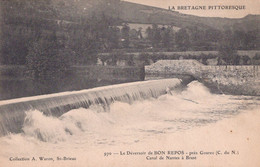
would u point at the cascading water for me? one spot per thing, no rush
(187, 119)
(12, 112)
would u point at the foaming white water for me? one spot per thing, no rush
(42, 127)
(197, 90)
(123, 124)
(12, 112)
(195, 106)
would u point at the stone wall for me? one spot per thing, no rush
(225, 79)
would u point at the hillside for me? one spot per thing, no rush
(95, 23)
(122, 11)
(132, 12)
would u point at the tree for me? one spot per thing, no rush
(245, 59)
(149, 33)
(45, 62)
(115, 56)
(227, 50)
(167, 37)
(90, 36)
(182, 39)
(256, 59)
(125, 35)
(212, 35)
(83, 46)
(156, 36)
(252, 40)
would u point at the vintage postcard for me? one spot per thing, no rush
(129, 83)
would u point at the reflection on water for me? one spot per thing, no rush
(80, 77)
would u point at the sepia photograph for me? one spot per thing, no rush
(129, 83)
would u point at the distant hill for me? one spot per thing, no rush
(137, 13)
(122, 11)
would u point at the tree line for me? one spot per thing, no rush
(48, 36)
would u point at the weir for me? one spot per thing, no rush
(13, 112)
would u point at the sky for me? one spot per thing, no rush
(251, 6)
